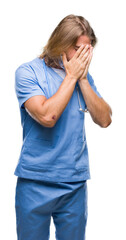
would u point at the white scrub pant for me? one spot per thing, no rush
(36, 201)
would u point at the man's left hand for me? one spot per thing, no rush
(88, 59)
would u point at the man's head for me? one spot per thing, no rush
(69, 34)
(83, 39)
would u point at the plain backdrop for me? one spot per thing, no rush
(25, 29)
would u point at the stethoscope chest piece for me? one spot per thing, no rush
(80, 108)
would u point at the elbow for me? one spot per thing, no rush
(52, 124)
(104, 123)
(108, 120)
(48, 121)
(107, 123)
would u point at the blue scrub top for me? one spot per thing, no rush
(60, 153)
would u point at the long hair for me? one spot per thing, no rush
(64, 36)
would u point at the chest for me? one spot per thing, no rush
(54, 78)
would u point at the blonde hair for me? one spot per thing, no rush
(64, 36)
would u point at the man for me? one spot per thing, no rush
(54, 93)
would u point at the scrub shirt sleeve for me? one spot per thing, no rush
(26, 84)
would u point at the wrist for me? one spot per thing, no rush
(72, 78)
(82, 80)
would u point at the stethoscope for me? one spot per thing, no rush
(80, 107)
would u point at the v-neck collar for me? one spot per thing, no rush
(61, 64)
(50, 69)
(57, 74)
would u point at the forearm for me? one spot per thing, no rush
(100, 111)
(55, 105)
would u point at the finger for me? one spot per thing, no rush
(86, 68)
(88, 60)
(90, 52)
(85, 50)
(85, 55)
(85, 71)
(90, 56)
(79, 51)
(87, 63)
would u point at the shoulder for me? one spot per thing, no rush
(30, 68)
(32, 65)
(25, 72)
